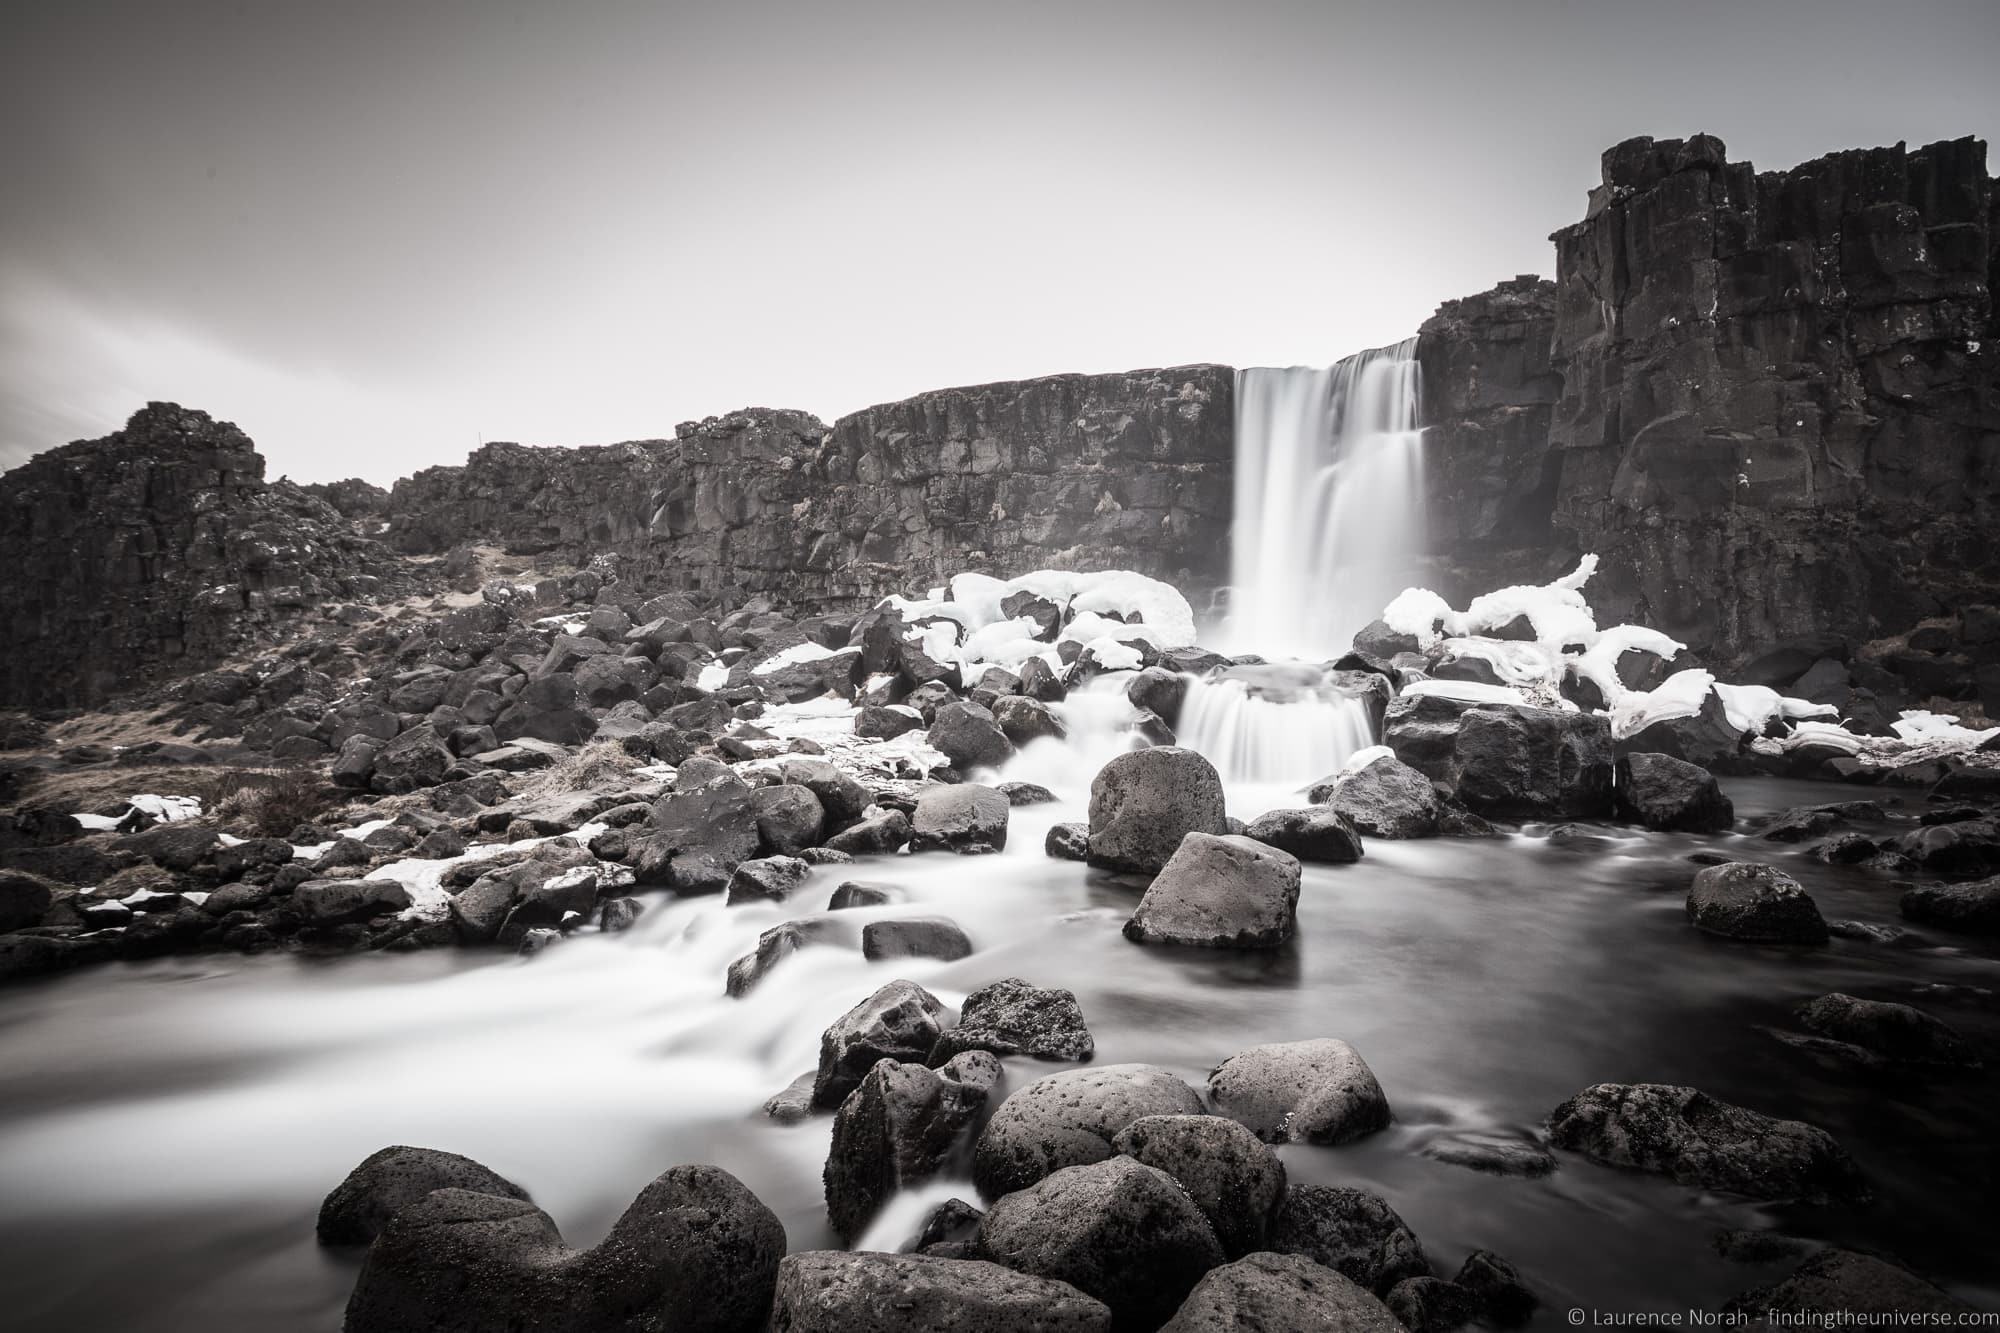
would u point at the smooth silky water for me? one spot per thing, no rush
(1329, 519)
(168, 1128)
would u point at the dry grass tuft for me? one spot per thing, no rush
(597, 765)
(270, 803)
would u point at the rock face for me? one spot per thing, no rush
(897, 1022)
(1383, 799)
(1143, 803)
(1317, 1091)
(1665, 793)
(1695, 1139)
(1220, 893)
(1489, 391)
(1279, 1291)
(1121, 471)
(831, 1291)
(1071, 1119)
(156, 550)
(1011, 1017)
(1746, 901)
(1845, 1284)
(1117, 1230)
(696, 1251)
(1896, 1032)
(1353, 1232)
(393, 1178)
(1762, 398)
(1236, 1181)
(1505, 759)
(899, 1128)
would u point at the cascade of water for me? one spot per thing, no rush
(1272, 725)
(1328, 519)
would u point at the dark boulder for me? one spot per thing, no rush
(901, 1126)
(970, 737)
(1693, 1138)
(915, 937)
(696, 1252)
(1117, 1230)
(1142, 805)
(693, 841)
(1023, 720)
(965, 818)
(1279, 1292)
(1498, 1293)
(24, 898)
(1315, 833)
(388, 1180)
(1385, 798)
(854, 893)
(1430, 1305)
(773, 947)
(1069, 1119)
(873, 835)
(1353, 1232)
(1316, 1091)
(548, 709)
(1232, 1176)
(1068, 841)
(1668, 794)
(1220, 893)
(1973, 908)
(1897, 1032)
(766, 879)
(1011, 1017)
(832, 1291)
(1159, 691)
(897, 1022)
(1850, 1287)
(327, 902)
(789, 818)
(1743, 900)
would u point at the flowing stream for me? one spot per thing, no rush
(168, 1128)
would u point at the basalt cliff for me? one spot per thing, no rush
(1769, 401)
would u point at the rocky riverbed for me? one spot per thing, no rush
(172, 1125)
(634, 960)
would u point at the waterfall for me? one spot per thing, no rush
(1328, 520)
(1273, 724)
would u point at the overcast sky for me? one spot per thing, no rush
(375, 232)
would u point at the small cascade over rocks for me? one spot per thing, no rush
(1329, 506)
(1283, 723)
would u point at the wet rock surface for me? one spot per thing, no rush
(1144, 803)
(1071, 1118)
(1220, 893)
(1012, 1017)
(831, 1291)
(1691, 1137)
(1117, 1230)
(1318, 1091)
(1274, 1291)
(696, 1250)
(1743, 900)
(1352, 1231)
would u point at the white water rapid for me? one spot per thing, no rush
(1329, 510)
(1273, 725)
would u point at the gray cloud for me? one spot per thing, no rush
(375, 233)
